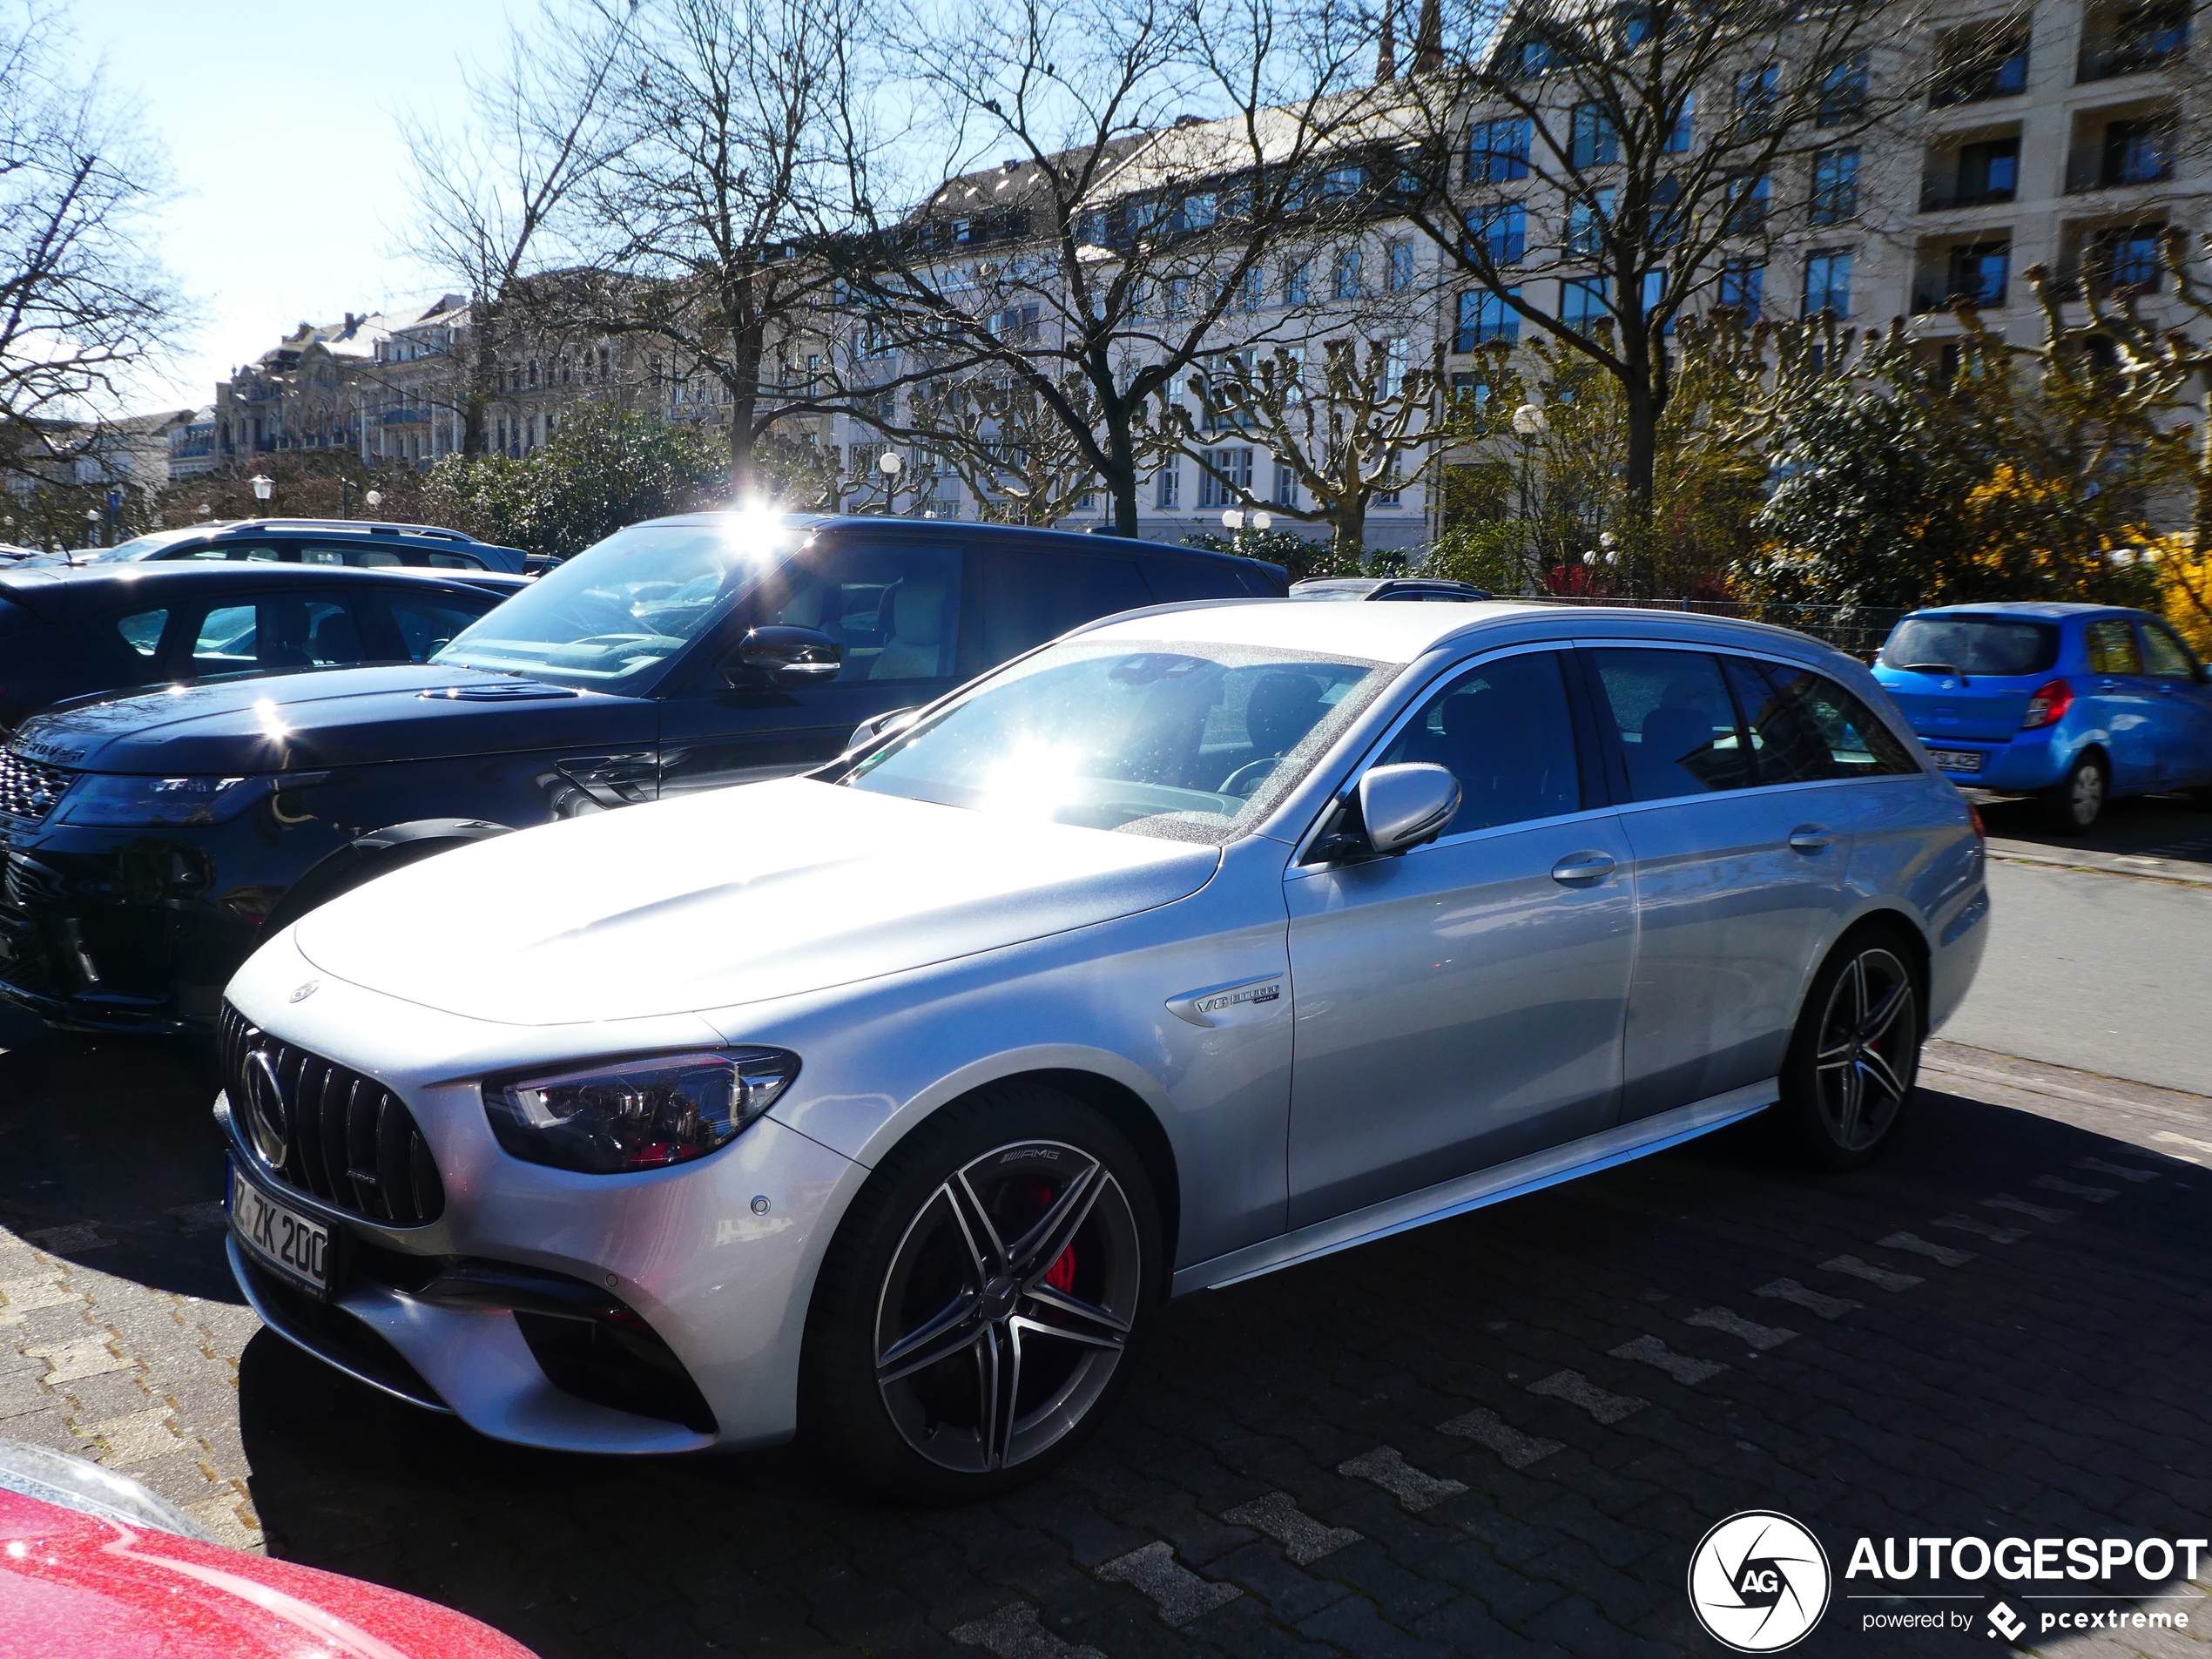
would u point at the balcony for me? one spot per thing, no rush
(1977, 273)
(2137, 151)
(2129, 40)
(1974, 66)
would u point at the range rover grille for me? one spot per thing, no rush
(29, 788)
(340, 1135)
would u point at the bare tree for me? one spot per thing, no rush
(1119, 233)
(1365, 428)
(1595, 169)
(726, 170)
(495, 198)
(1020, 462)
(84, 300)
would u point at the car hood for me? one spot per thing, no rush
(255, 723)
(733, 896)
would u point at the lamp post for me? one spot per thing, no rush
(92, 526)
(206, 511)
(1236, 520)
(263, 485)
(889, 463)
(374, 498)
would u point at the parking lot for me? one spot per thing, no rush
(1498, 1435)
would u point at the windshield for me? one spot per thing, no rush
(1993, 645)
(608, 618)
(1186, 742)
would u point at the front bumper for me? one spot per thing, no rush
(107, 930)
(721, 1289)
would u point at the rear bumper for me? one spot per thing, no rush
(2023, 765)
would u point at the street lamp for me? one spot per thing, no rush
(374, 498)
(262, 485)
(889, 463)
(91, 527)
(1528, 420)
(1236, 520)
(206, 511)
(1528, 423)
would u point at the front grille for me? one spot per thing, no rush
(348, 1140)
(29, 788)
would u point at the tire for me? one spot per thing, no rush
(1856, 1053)
(947, 1366)
(2079, 798)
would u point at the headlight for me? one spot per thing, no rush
(106, 800)
(642, 1114)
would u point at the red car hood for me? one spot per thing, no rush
(73, 1584)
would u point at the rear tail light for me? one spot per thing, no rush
(2048, 706)
(1981, 830)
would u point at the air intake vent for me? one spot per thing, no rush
(498, 691)
(331, 1132)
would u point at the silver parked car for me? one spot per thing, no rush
(886, 1103)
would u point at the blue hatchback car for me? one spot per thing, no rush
(2074, 703)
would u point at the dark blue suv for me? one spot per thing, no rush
(152, 840)
(2074, 703)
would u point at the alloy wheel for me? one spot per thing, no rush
(1008, 1306)
(1868, 1049)
(2086, 793)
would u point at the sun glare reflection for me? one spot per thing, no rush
(1035, 779)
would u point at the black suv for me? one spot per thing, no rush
(152, 840)
(105, 628)
(309, 541)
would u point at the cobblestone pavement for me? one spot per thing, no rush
(1500, 1435)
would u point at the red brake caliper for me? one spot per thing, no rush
(1062, 1274)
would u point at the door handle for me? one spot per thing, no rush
(1811, 838)
(1578, 868)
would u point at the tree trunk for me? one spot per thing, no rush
(745, 398)
(1121, 474)
(1349, 521)
(1640, 475)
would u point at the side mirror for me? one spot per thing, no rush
(882, 726)
(781, 655)
(1399, 808)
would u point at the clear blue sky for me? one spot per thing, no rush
(280, 120)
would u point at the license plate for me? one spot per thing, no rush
(1956, 759)
(287, 1240)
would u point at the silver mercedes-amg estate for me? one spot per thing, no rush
(886, 1103)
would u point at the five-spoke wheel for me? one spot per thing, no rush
(981, 1300)
(1856, 1050)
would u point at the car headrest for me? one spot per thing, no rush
(1283, 708)
(917, 611)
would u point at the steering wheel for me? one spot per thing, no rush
(1249, 776)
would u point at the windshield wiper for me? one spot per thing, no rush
(1931, 668)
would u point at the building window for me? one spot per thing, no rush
(1828, 283)
(1339, 182)
(1497, 152)
(1678, 136)
(1593, 141)
(2137, 152)
(1227, 477)
(1581, 303)
(1757, 91)
(1588, 218)
(1166, 487)
(2128, 257)
(1979, 63)
(2127, 37)
(1978, 273)
(1285, 493)
(1747, 204)
(1842, 93)
(1344, 281)
(1485, 319)
(1398, 357)
(1503, 233)
(1835, 185)
(1400, 256)
(1742, 283)
(1254, 293)
(1295, 283)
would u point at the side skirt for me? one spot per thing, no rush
(1621, 1144)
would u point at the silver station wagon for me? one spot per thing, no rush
(886, 1103)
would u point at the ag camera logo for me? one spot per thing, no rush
(1758, 1581)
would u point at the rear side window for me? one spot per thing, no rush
(1805, 728)
(454, 562)
(1997, 646)
(141, 631)
(357, 554)
(1028, 598)
(2112, 647)
(1675, 721)
(1503, 730)
(426, 625)
(2165, 656)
